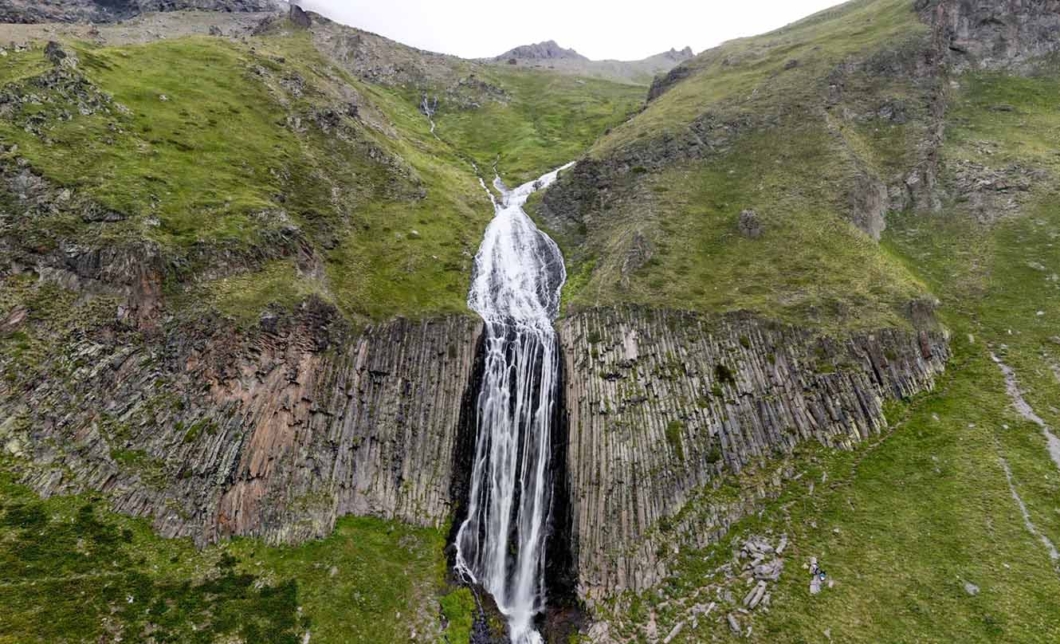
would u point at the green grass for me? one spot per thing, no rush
(551, 119)
(72, 571)
(199, 162)
(900, 524)
(278, 283)
(232, 170)
(778, 146)
(459, 610)
(749, 75)
(810, 264)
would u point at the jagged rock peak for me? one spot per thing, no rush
(34, 11)
(679, 55)
(547, 50)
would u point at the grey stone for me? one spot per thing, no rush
(750, 224)
(299, 17)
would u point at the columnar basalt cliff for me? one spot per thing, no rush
(662, 404)
(211, 433)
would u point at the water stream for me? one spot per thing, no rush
(516, 289)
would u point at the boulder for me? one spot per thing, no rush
(750, 224)
(299, 17)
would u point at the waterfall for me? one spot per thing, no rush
(516, 289)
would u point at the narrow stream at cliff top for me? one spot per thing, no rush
(516, 288)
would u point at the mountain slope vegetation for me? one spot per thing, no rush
(229, 221)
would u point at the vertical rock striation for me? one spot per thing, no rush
(661, 404)
(274, 433)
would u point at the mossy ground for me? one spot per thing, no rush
(72, 571)
(223, 158)
(227, 156)
(549, 120)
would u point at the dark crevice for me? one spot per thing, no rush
(464, 450)
(564, 615)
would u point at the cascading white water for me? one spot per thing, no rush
(516, 288)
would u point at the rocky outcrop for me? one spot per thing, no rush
(276, 432)
(35, 11)
(663, 404)
(996, 34)
(547, 50)
(662, 84)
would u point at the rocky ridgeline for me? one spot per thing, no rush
(277, 432)
(547, 50)
(663, 404)
(36, 11)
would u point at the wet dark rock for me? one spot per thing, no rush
(662, 84)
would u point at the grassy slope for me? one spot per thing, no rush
(551, 118)
(74, 572)
(215, 166)
(903, 523)
(206, 156)
(811, 265)
(750, 73)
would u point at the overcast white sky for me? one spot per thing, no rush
(598, 29)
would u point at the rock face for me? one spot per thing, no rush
(661, 404)
(997, 34)
(299, 17)
(274, 433)
(547, 50)
(34, 11)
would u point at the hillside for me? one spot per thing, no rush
(548, 55)
(812, 278)
(854, 169)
